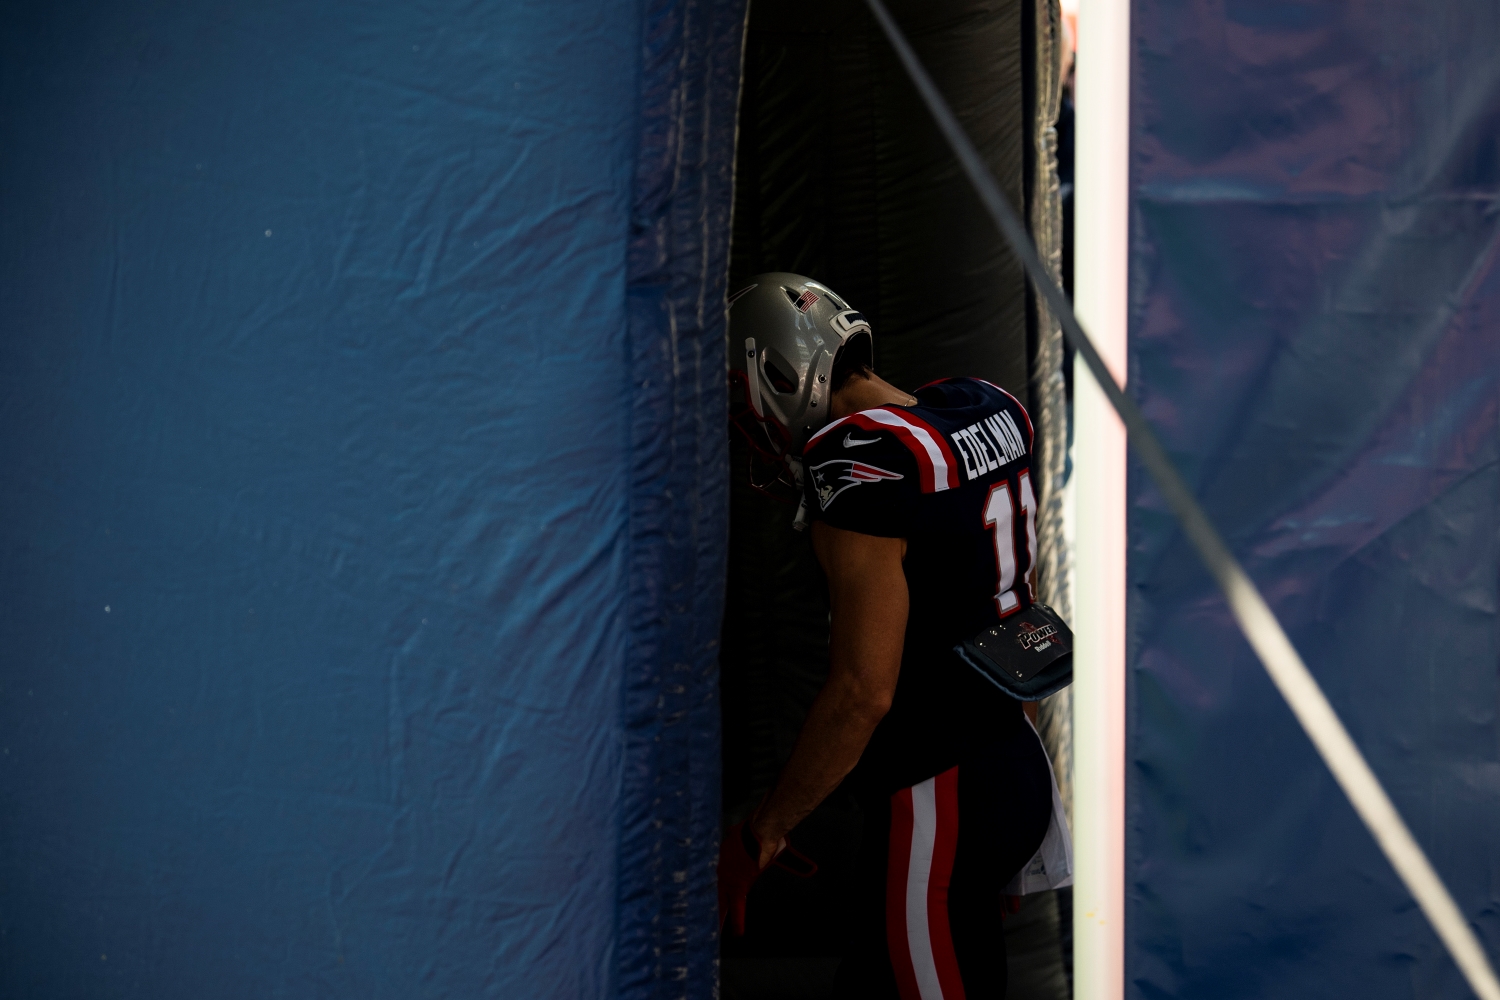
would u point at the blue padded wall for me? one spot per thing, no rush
(363, 513)
(1315, 329)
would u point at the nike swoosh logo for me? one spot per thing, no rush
(853, 442)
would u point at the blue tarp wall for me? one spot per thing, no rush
(362, 507)
(1315, 328)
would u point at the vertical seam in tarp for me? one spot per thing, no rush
(666, 922)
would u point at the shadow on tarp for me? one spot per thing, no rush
(1314, 305)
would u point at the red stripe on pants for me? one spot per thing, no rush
(944, 847)
(895, 895)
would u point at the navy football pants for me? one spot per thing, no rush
(934, 861)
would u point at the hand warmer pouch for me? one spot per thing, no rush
(1027, 656)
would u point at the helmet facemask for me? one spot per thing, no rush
(770, 445)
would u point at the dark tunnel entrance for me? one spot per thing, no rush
(842, 176)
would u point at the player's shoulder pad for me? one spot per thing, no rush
(1005, 401)
(894, 435)
(977, 391)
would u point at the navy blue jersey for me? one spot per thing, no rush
(952, 476)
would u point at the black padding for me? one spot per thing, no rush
(841, 175)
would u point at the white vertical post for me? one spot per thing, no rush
(1101, 259)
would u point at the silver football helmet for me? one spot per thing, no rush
(785, 333)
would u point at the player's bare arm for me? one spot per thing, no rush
(868, 604)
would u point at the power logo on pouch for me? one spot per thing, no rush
(1038, 636)
(832, 478)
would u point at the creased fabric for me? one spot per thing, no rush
(1315, 300)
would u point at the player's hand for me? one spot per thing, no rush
(770, 846)
(742, 858)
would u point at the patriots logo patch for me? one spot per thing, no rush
(832, 478)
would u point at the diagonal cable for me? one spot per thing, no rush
(1259, 624)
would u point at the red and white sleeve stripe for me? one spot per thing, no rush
(935, 462)
(924, 839)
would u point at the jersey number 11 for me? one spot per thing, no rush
(999, 517)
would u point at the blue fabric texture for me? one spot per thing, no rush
(1314, 314)
(363, 510)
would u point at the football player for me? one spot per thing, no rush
(923, 515)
